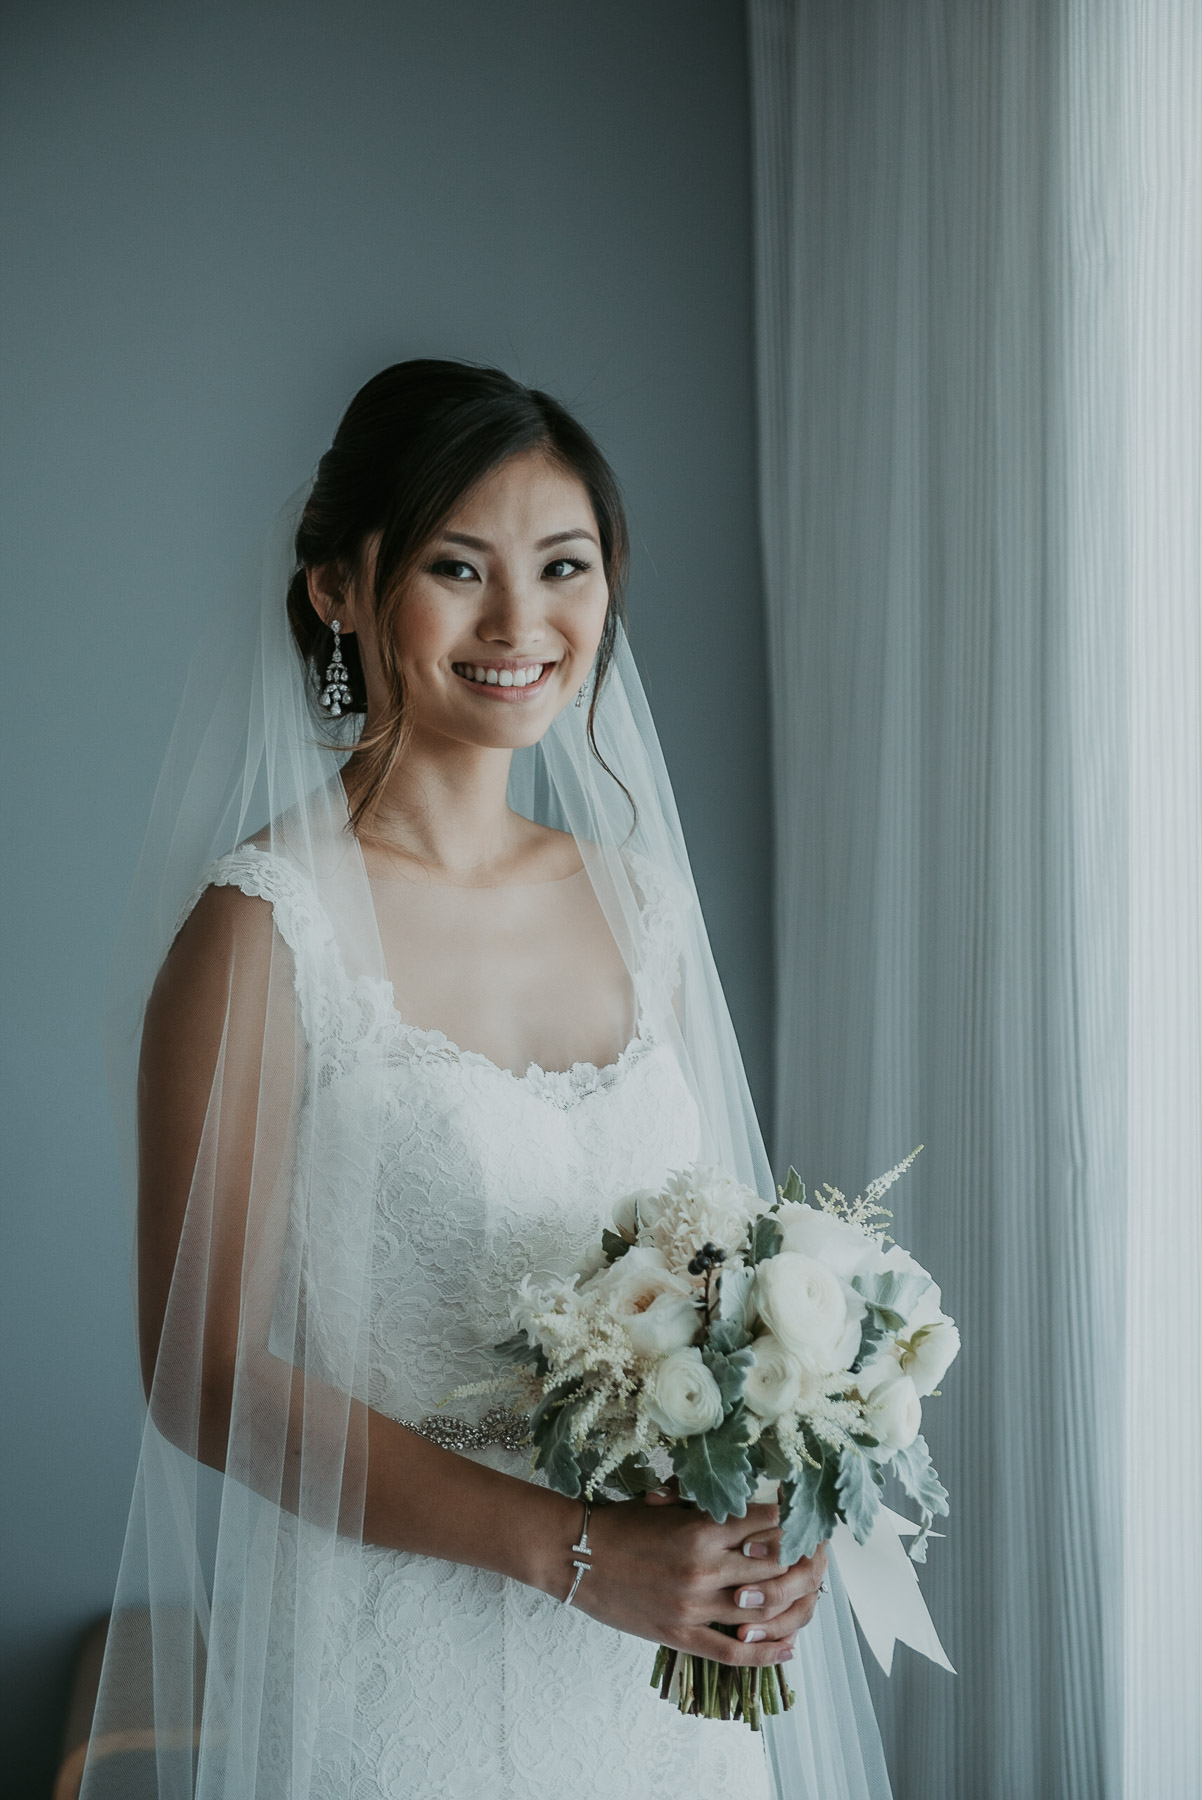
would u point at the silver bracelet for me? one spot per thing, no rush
(582, 1562)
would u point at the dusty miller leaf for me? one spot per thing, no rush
(714, 1468)
(916, 1472)
(729, 1371)
(858, 1486)
(551, 1429)
(725, 1335)
(808, 1510)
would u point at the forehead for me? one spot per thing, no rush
(525, 495)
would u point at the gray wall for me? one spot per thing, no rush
(218, 220)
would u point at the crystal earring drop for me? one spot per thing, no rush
(336, 694)
(581, 691)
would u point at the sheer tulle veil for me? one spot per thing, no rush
(281, 1194)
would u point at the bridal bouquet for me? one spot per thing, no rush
(751, 1346)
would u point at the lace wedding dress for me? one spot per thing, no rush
(466, 1684)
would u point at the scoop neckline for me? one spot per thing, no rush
(429, 1037)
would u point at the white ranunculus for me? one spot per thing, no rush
(682, 1397)
(893, 1410)
(842, 1247)
(657, 1307)
(778, 1382)
(805, 1307)
(927, 1353)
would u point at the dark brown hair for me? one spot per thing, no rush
(410, 445)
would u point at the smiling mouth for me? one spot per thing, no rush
(504, 681)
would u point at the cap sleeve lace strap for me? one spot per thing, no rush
(322, 987)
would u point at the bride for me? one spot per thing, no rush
(397, 1046)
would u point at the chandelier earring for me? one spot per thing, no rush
(336, 694)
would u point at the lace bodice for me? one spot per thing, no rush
(483, 1176)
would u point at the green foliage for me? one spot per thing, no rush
(726, 1335)
(858, 1485)
(551, 1431)
(614, 1245)
(872, 1336)
(793, 1187)
(714, 1470)
(768, 1459)
(519, 1349)
(632, 1477)
(892, 1295)
(808, 1509)
(916, 1472)
(765, 1238)
(729, 1371)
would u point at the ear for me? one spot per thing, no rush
(330, 598)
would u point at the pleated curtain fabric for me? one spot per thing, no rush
(979, 324)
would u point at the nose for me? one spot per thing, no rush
(514, 610)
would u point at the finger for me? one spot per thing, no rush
(785, 1626)
(760, 1600)
(721, 1648)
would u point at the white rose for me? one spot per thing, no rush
(926, 1354)
(804, 1306)
(658, 1308)
(892, 1408)
(682, 1397)
(778, 1382)
(926, 1311)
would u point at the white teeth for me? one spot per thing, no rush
(502, 677)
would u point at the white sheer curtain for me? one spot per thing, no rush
(979, 290)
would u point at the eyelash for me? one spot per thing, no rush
(454, 562)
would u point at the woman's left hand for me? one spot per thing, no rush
(778, 1608)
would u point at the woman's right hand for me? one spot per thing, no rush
(667, 1572)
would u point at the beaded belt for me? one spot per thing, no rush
(501, 1425)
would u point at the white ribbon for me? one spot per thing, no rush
(882, 1585)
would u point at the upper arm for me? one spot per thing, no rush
(209, 1126)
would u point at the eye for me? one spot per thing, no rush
(448, 565)
(570, 563)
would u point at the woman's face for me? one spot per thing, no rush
(500, 623)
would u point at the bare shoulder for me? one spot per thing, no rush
(546, 854)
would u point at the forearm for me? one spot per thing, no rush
(422, 1498)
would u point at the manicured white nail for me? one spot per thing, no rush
(751, 1597)
(753, 1635)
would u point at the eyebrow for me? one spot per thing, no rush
(556, 537)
